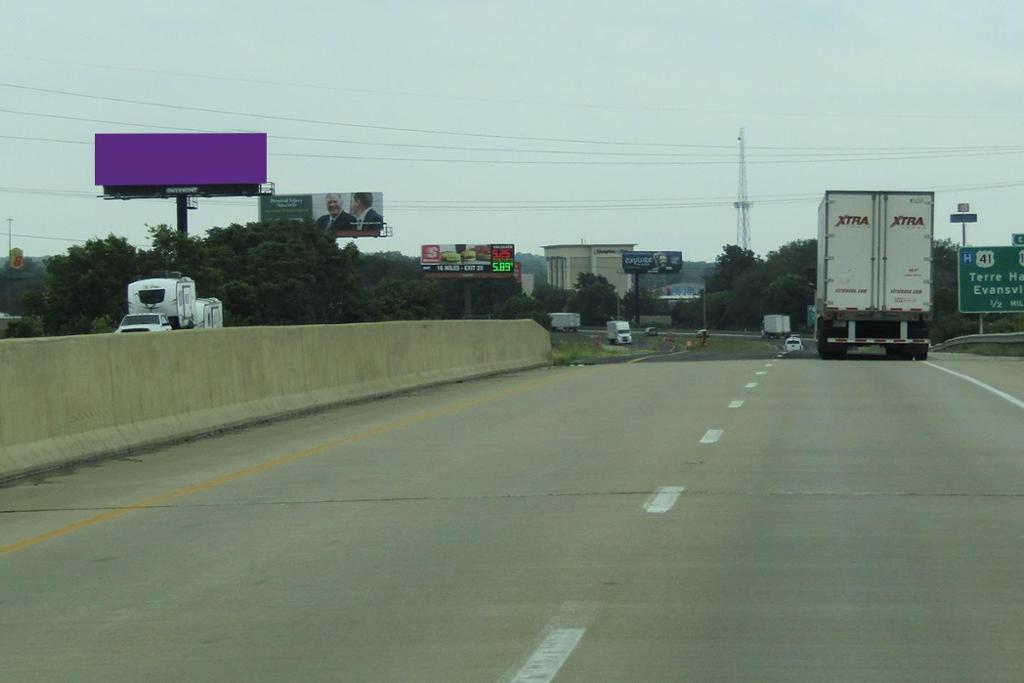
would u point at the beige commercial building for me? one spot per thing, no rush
(567, 261)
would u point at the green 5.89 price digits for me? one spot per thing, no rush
(501, 267)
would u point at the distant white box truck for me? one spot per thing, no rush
(775, 326)
(175, 297)
(619, 332)
(874, 283)
(565, 321)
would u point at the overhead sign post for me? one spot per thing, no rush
(991, 279)
(963, 218)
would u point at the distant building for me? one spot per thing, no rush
(567, 261)
(680, 291)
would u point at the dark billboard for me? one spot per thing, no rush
(187, 159)
(652, 261)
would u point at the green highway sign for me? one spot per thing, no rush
(1018, 239)
(991, 279)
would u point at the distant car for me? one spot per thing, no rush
(794, 343)
(651, 331)
(144, 322)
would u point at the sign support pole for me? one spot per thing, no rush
(10, 261)
(467, 298)
(182, 201)
(636, 298)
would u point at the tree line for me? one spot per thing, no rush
(295, 273)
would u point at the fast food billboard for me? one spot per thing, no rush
(188, 159)
(468, 260)
(345, 214)
(652, 261)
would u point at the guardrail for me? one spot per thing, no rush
(998, 338)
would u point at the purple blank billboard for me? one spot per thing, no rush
(181, 158)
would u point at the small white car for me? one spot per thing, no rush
(794, 343)
(144, 322)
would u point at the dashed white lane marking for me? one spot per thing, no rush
(769, 365)
(750, 385)
(561, 636)
(761, 372)
(712, 436)
(663, 499)
(550, 655)
(735, 404)
(1001, 394)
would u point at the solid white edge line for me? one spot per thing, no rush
(550, 655)
(712, 436)
(735, 404)
(1001, 394)
(663, 499)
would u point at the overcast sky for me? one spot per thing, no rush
(541, 122)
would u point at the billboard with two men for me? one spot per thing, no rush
(343, 214)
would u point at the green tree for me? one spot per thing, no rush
(556, 300)
(26, 326)
(16, 284)
(286, 274)
(388, 265)
(733, 262)
(596, 299)
(408, 299)
(526, 307)
(88, 282)
(650, 304)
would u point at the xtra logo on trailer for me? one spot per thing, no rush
(852, 220)
(907, 221)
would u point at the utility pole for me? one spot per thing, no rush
(704, 301)
(10, 265)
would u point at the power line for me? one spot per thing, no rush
(794, 151)
(504, 101)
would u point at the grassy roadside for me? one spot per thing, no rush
(565, 353)
(569, 348)
(1005, 350)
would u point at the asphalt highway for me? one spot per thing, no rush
(769, 519)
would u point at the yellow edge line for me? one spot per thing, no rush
(273, 463)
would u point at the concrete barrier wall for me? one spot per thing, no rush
(67, 399)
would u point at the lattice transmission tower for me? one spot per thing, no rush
(742, 202)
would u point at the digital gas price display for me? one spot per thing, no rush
(493, 261)
(503, 258)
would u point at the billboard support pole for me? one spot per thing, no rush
(467, 299)
(182, 201)
(636, 298)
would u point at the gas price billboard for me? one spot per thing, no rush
(652, 261)
(468, 260)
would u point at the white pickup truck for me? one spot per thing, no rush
(144, 322)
